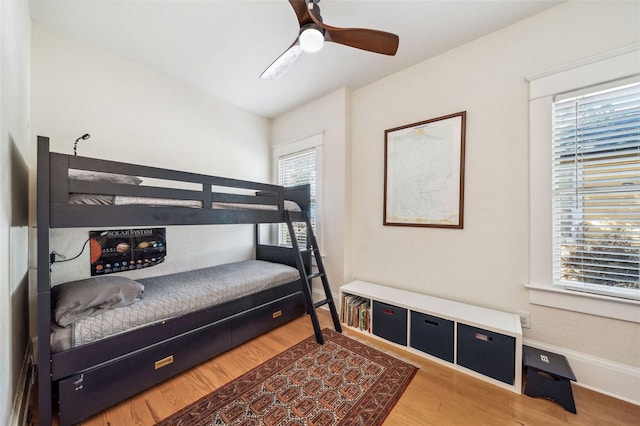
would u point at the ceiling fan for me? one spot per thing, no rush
(313, 33)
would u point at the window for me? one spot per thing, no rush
(596, 190)
(298, 168)
(601, 181)
(299, 163)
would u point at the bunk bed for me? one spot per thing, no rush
(85, 379)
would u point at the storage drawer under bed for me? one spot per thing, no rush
(96, 389)
(262, 319)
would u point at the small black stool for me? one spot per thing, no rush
(548, 375)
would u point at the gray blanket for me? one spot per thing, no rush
(178, 294)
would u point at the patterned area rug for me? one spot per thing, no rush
(341, 382)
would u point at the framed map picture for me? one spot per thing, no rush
(424, 173)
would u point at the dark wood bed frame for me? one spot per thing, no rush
(90, 378)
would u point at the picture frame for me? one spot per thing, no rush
(424, 173)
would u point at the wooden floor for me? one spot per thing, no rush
(438, 395)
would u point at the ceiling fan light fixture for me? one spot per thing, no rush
(311, 39)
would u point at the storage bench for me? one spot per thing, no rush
(481, 342)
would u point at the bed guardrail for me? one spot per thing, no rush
(94, 192)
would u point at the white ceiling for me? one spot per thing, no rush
(221, 47)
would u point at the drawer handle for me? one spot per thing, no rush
(78, 383)
(483, 337)
(387, 311)
(433, 323)
(164, 362)
(276, 314)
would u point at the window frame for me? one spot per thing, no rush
(314, 142)
(542, 89)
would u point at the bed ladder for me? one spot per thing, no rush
(306, 277)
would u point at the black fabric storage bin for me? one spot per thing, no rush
(390, 322)
(432, 335)
(486, 352)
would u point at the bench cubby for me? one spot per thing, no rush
(482, 342)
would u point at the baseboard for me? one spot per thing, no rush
(610, 378)
(23, 390)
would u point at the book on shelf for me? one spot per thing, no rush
(355, 312)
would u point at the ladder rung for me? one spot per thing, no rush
(307, 250)
(316, 275)
(322, 303)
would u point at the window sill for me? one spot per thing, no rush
(593, 304)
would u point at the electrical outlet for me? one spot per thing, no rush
(525, 319)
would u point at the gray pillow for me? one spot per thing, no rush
(77, 300)
(104, 177)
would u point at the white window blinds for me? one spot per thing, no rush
(596, 190)
(298, 169)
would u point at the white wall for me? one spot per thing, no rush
(486, 263)
(139, 116)
(328, 115)
(14, 175)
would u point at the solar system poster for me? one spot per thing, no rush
(126, 249)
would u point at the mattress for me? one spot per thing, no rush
(174, 295)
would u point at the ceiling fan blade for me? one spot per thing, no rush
(302, 11)
(282, 64)
(360, 38)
